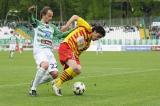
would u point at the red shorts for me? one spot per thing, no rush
(65, 53)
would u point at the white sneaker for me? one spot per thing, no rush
(57, 90)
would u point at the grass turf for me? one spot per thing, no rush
(111, 79)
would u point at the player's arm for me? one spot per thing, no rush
(63, 33)
(34, 21)
(59, 34)
(66, 33)
(72, 19)
(80, 22)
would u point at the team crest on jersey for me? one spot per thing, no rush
(47, 34)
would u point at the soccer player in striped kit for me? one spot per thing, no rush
(73, 45)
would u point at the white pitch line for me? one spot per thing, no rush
(124, 73)
(12, 85)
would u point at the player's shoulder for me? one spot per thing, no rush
(83, 23)
(52, 25)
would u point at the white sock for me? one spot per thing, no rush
(46, 78)
(40, 73)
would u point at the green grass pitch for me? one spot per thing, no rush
(111, 79)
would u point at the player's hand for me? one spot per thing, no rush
(32, 8)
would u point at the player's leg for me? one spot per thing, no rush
(52, 69)
(55, 88)
(46, 78)
(14, 49)
(11, 51)
(71, 68)
(97, 50)
(20, 49)
(52, 72)
(43, 65)
(71, 64)
(69, 73)
(11, 54)
(39, 74)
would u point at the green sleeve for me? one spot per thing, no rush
(34, 21)
(64, 34)
(59, 34)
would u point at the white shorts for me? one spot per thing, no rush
(41, 55)
(12, 47)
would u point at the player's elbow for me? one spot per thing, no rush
(75, 17)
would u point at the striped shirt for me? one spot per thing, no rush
(80, 38)
(45, 34)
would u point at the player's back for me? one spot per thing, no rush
(78, 40)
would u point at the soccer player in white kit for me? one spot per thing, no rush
(99, 46)
(12, 44)
(42, 49)
(20, 44)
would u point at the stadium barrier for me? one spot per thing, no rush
(155, 48)
(136, 48)
(127, 45)
(130, 42)
(27, 44)
(106, 44)
(126, 48)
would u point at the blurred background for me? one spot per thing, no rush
(127, 22)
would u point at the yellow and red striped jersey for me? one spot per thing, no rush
(80, 38)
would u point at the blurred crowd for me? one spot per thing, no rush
(155, 32)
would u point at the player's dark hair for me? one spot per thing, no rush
(99, 29)
(44, 11)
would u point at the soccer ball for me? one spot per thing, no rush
(78, 88)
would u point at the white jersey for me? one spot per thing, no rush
(12, 43)
(13, 40)
(43, 43)
(44, 35)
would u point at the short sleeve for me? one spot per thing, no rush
(83, 23)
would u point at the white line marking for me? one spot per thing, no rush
(122, 73)
(115, 74)
(13, 85)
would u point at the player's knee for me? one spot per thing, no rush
(44, 65)
(54, 74)
(77, 69)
